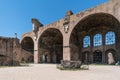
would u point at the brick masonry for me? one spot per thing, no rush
(110, 12)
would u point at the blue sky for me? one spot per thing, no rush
(15, 15)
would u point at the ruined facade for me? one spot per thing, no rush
(91, 36)
(9, 51)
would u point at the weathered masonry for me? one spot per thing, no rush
(9, 51)
(91, 36)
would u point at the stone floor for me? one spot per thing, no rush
(49, 72)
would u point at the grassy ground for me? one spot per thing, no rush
(21, 65)
(83, 67)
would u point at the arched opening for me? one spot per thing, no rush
(27, 46)
(86, 41)
(110, 38)
(2, 59)
(97, 40)
(51, 46)
(97, 57)
(85, 57)
(110, 56)
(94, 25)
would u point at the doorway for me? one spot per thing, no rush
(97, 57)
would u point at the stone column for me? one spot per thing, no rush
(104, 46)
(36, 52)
(66, 48)
(66, 62)
(66, 53)
(91, 48)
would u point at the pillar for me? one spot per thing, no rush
(91, 48)
(66, 48)
(67, 62)
(36, 52)
(103, 45)
(66, 53)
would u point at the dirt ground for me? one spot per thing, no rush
(50, 72)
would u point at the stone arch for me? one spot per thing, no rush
(85, 17)
(27, 49)
(50, 46)
(90, 25)
(29, 34)
(41, 31)
(106, 17)
(113, 55)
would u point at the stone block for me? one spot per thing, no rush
(70, 64)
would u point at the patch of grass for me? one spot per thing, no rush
(21, 65)
(24, 64)
(4, 66)
(83, 67)
(102, 65)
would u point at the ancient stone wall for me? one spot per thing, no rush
(9, 51)
(110, 12)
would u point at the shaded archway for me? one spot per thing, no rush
(110, 53)
(51, 46)
(91, 25)
(85, 57)
(27, 46)
(2, 59)
(97, 57)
